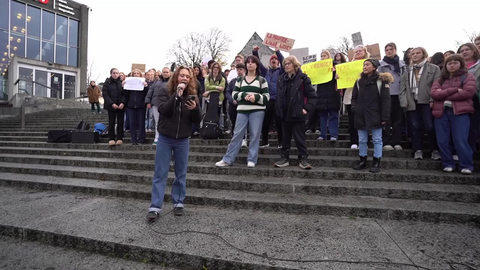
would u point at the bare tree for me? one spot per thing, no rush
(344, 45)
(91, 74)
(192, 48)
(470, 38)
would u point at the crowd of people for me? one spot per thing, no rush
(438, 96)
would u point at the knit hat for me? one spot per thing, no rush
(273, 56)
(374, 62)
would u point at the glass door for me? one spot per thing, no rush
(41, 77)
(56, 83)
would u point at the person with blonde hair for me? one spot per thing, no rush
(328, 104)
(136, 108)
(179, 111)
(295, 99)
(359, 53)
(415, 98)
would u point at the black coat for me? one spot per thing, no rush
(300, 94)
(113, 93)
(328, 98)
(175, 119)
(136, 99)
(371, 106)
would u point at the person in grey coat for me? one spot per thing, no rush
(152, 98)
(415, 98)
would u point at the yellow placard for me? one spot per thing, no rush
(348, 73)
(319, 72)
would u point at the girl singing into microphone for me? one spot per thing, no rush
(178, 110)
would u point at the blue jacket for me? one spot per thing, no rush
(230, 88)
(272, 75)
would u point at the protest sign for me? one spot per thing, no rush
(299, 53)
(134, 83)
(373, 49)
(276, 41)
(319, 72)
(310, 59)
(348, 73)
(141, 67)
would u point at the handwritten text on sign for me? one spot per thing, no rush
(134, 83)
(310, 59)
(276, 41)
(319, 72)
(348, 73)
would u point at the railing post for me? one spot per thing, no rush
(22, 116)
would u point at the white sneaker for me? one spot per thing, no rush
(387, 148)
(466, 171)
(250, 164)
(244, 143)
(222, 163)
(398, 147)
(354, 146)
(448, 169)
(455, 157)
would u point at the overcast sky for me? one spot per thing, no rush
(123, 32)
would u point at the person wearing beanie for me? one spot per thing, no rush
(371, 106)
(271, 74)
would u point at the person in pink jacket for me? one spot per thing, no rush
(452, 94)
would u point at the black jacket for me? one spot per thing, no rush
(371, 106)
(175, 119)
(136, 99)
(328, 98)
(293, 95)
(113, 93)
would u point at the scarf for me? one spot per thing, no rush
(394, 61)
(415, 78)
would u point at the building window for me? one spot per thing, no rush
(33, 48)
(4, 8)
(25, 86)
(47, 51)
(4, 45)
(56, 83)
(61, 54)
(73, 56)
(48, 26)
(17, 18)
(62, 29)
(33, 22)
(69, 87)
(41, 77)
(73, 33)
(17, 44)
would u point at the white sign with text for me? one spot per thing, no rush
(134, 83)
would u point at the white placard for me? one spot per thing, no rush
(134, 83)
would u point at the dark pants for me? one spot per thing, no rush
(127, 119)
(297, 129)
(137, 124)
(93, 106)
(474, 133)
(392, 134)
(270, 116)
(232, 112)
(421, 120)
(112, 116)
(312, 121)
(351, 125)
(451, 127)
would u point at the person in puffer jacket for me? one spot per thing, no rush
(137, 110)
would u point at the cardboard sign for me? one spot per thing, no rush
(141, 67)
(283, 43)
(310, 59)
(319, 72)
(348, 73)
(373, 49)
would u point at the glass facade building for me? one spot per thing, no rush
(50, 32)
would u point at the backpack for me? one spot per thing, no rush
(82, 126)
(99, 127)
(210, 127)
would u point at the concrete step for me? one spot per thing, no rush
(43, 256)
(467, 193)
(110, 159)
(218, 238)
(357, 206)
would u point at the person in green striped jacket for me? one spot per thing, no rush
(251, 93)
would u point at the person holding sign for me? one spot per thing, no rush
(295, 98)
(371, 106)
(328, 104)
(137, 108)
(360, 52)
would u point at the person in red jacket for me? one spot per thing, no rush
(451, 109)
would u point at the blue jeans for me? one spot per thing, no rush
(253, 121)
(137, 123)
(458, 127)
(149, 122)
(377, 142)
(421, 120)
(330, 116)
(165, 148)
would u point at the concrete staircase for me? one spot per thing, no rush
(95, 197)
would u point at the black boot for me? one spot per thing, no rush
(375, 166)
(362, 165)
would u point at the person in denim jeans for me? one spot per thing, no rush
(252, 94)
(371, 105)
(178, 113)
